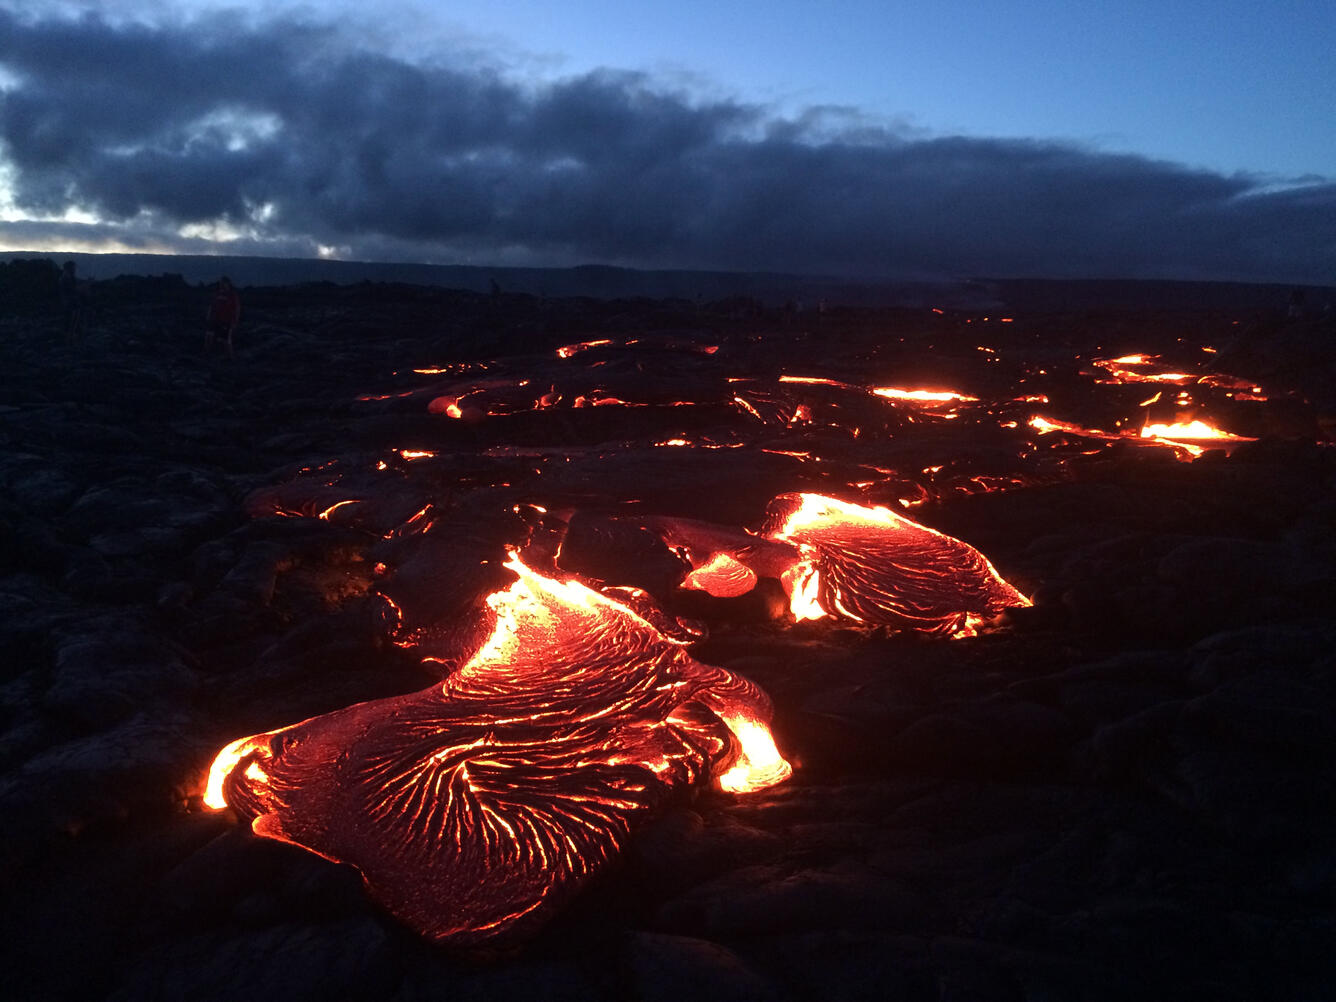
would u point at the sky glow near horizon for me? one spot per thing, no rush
(1144, 139)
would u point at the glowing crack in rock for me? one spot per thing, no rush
(875, 566)
(476, 808)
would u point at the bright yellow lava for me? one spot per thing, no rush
(923, 396)
(760, 764)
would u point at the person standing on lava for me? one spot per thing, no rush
(223, 315)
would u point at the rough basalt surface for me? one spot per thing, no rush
(1123, 791)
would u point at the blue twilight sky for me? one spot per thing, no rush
(1233, 85)
(1147, 139)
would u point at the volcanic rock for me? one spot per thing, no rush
(1120, 792)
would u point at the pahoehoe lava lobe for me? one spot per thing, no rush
(476, 808)
(875, 566)
(846, 561)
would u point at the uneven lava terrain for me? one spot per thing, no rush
(1120, 790)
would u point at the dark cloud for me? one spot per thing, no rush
(296, 134)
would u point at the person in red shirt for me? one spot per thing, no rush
(223, 315)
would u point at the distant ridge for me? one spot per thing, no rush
(595, 281)
(773, 289)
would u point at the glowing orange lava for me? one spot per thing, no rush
(1138, 369)
(722, 576)
(1191, 435)
(1044, 425)
(875, 566)
(475, 808)
(1186, 436)
(567, 350)
(928, 397)
(448, 406)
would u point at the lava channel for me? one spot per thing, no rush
(476, 808)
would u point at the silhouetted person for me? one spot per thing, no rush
(224, 314)
(1296, 309)
(71, 302)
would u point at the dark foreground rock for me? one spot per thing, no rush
(1122, 792)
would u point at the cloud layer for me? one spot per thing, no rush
(288, 135)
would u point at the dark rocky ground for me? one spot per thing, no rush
(1125, 791)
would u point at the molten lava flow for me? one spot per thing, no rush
(875, 566)
(1196, 431)
(817, 381)
(1138, 369)
(1244, 389)
(759, 763)
(448, 406)
(1185, 436)
(833, 558)
(227, 760)
(325, 515)
(802, 583)
(567, 350)
(476, 807)
(1045, 425)
(927, 397)
(722, 576)
(1191, 434)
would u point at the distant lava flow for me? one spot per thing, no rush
(1141, 369)
(833, 558)
(477, 807)
(875, 566)
(1190, 437)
